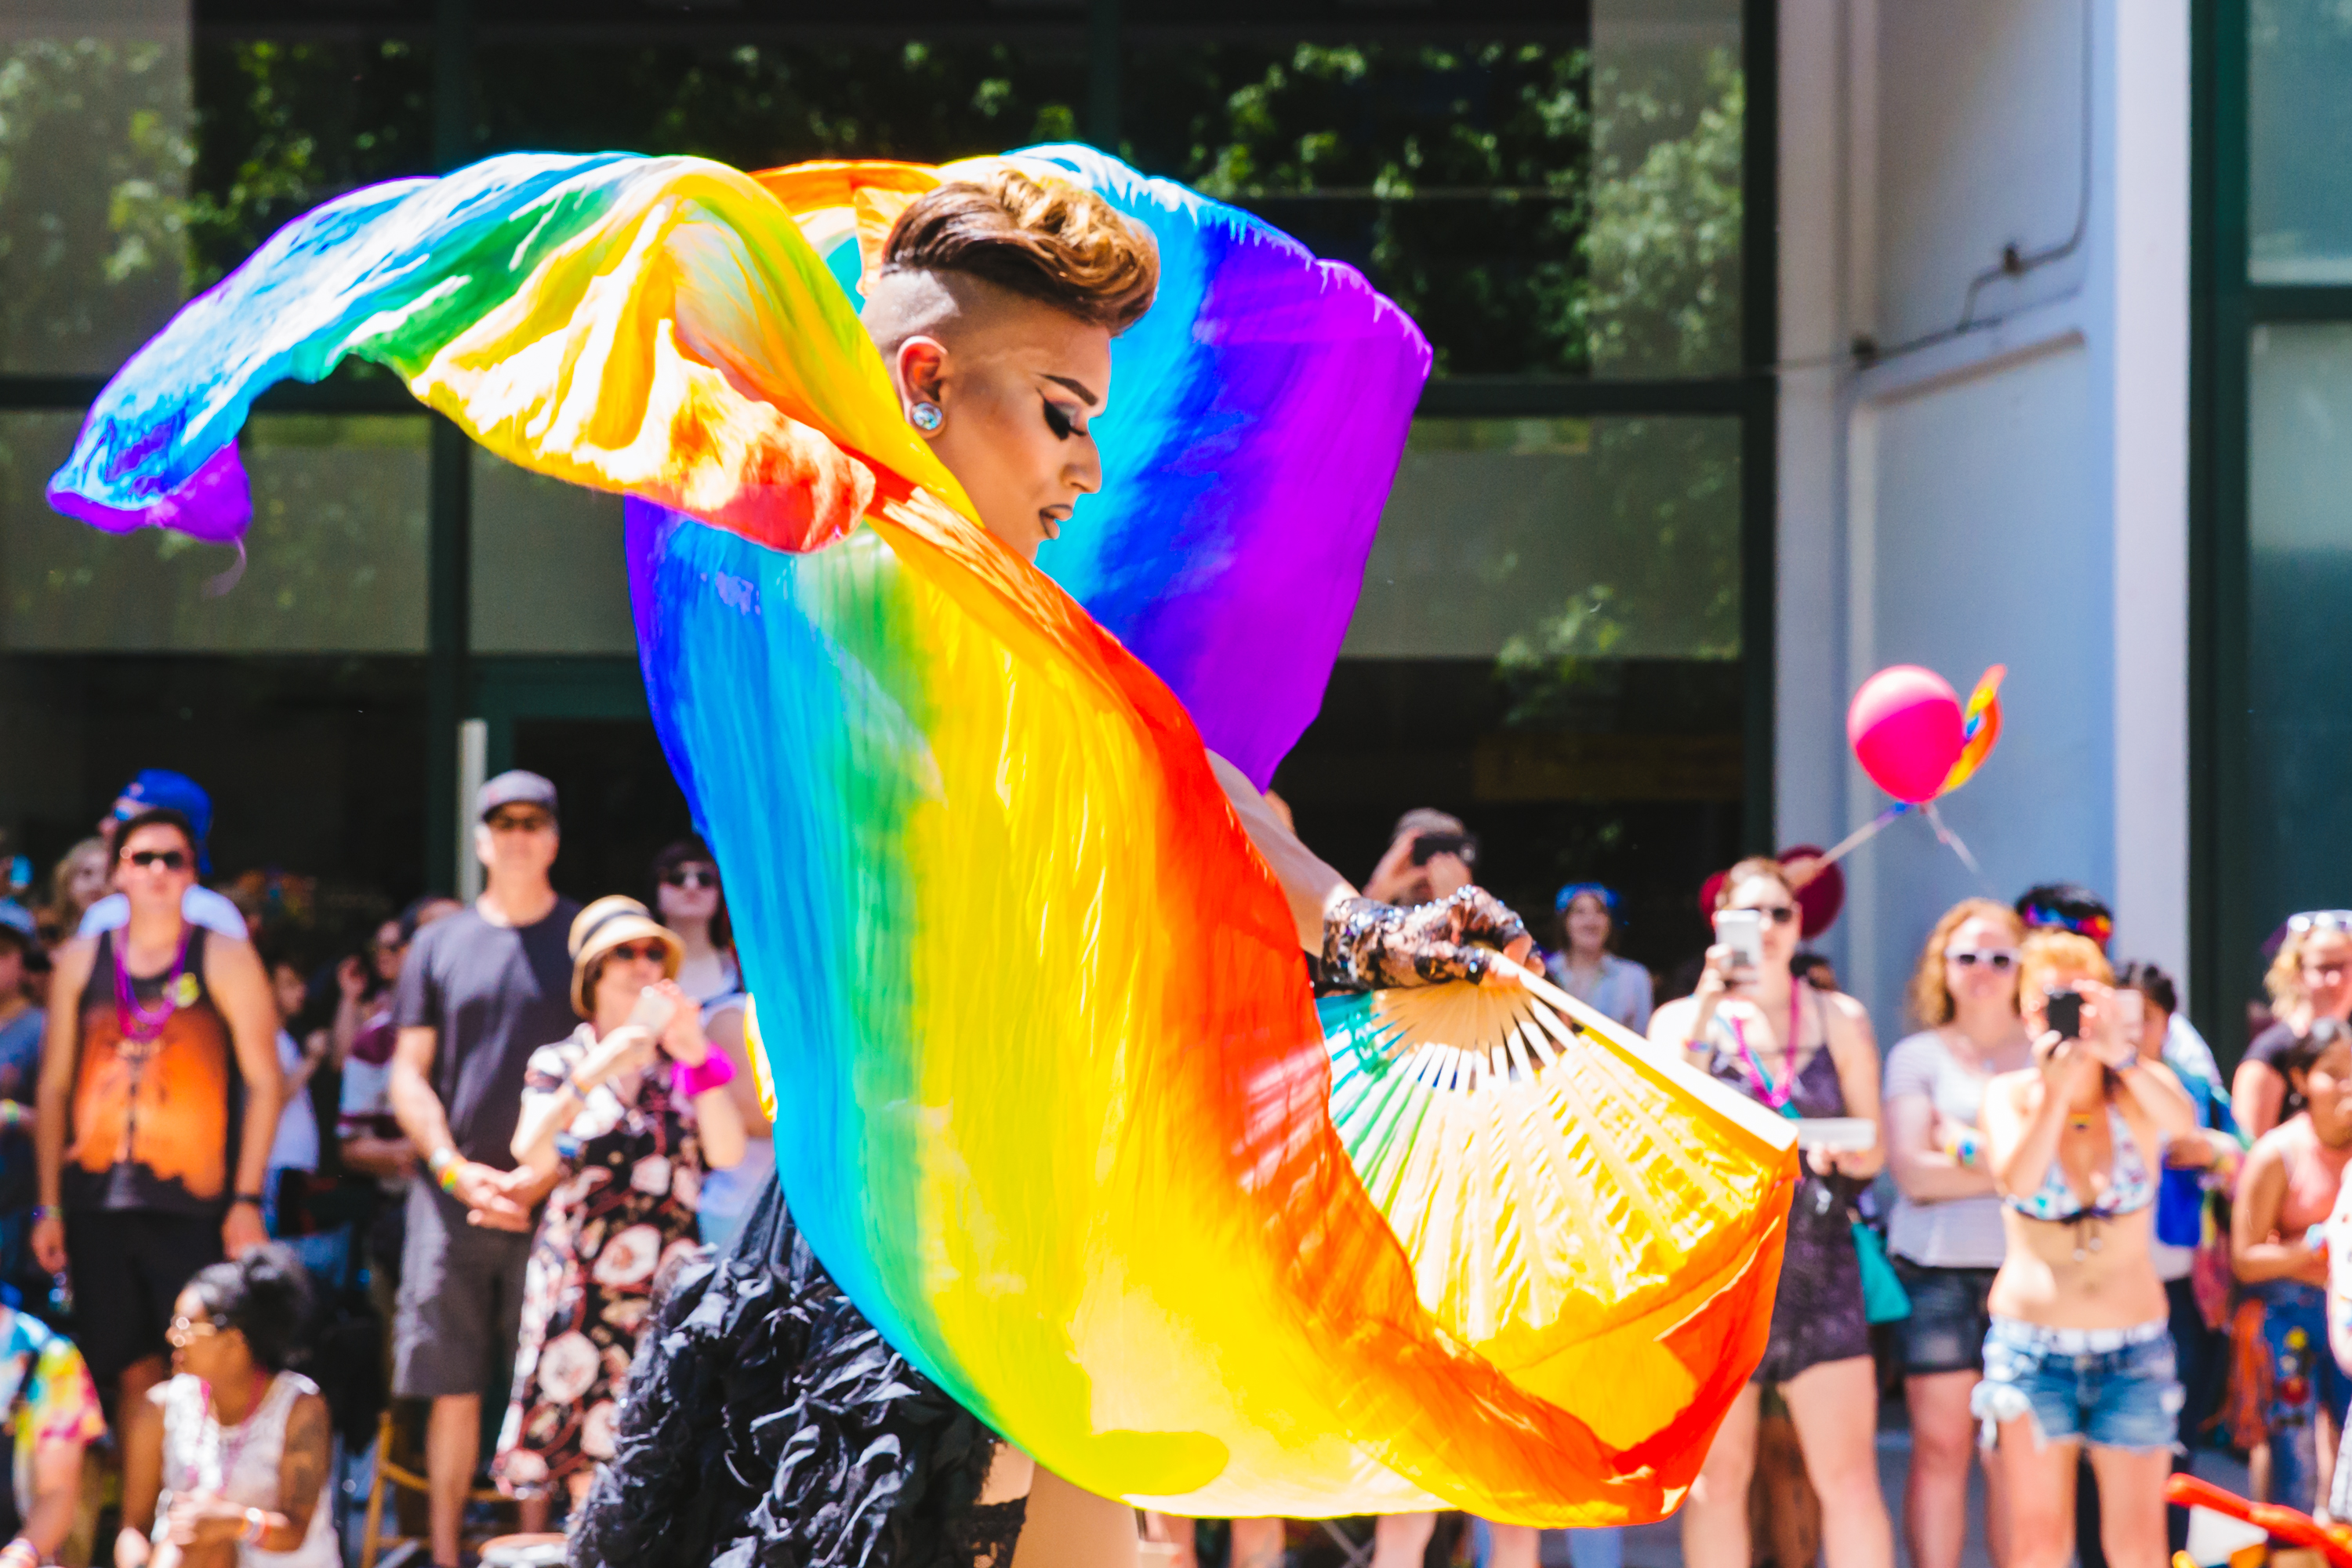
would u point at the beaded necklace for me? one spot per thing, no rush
(140, 1022)
(1774, 1097)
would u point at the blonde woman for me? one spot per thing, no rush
(1946, 1230)
(2310, 979)
(1806, 1054)
(2079, 1351)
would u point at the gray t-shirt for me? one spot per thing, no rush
(496, 994)
(1957, 1232)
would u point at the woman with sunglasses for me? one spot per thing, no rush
(690, 903)
(1806, 1054)
(1945, 1233)
(157, 1104)
(244, 1445)
(2079, 1355)
(625, 1116)
(687, 900)
(1589, 969)
(2310, 978)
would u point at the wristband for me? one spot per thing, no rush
(714, 1072)
(253, 1198)
(257, 1526)
(1965, 1149)
(44, 1211)
(444, 1162)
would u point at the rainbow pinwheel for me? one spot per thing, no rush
(1054, 1102)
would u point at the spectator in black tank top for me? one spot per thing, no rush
(159, 1093)
(2309, 980)
(479, 991)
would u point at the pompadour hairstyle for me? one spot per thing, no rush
(1046, 240)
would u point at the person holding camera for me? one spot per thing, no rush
(2287, 1191)
(1809, 1055)
(2079, 1351)
(624, 1117)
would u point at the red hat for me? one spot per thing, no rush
(1820, 896)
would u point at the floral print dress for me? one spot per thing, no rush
(624, 1207)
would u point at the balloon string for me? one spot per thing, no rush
(1863, 834)
(1951, 841)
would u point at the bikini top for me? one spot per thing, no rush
(2130, 1187)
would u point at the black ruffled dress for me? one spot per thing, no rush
(768, 1425)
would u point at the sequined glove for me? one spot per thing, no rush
(1370, 944)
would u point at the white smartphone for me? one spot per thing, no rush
(1741, 931)
(1836, 1134)
(654, 1011)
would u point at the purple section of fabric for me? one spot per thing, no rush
(1257, 417)
(212, 504)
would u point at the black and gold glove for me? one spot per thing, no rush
(1374, 945)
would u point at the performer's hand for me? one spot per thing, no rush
(1375, 944)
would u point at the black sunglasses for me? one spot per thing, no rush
(629, 952)
(170, 859)
(1779, 914)
(690, 877)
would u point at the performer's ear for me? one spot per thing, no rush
(922, 365)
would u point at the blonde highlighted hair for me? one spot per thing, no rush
(1049, 240)
(2049, 951)
(1930, 998)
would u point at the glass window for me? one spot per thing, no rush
(1534, 542)
(96, 138)
(1564, 201)
(549, 575)
(284, 123)
(2299, 129)
(1547, 645)
(335, 556)
(2299, 817)
(758, 105)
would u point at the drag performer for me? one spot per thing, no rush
(1024, 938)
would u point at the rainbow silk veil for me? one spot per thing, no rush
(1055, 1099)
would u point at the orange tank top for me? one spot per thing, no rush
(156, 1094)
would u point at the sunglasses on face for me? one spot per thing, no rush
(640, 953)
(185, 1330)
(2320, 920)
(2002, 960)
(1779, 914)
(690, 877)
(521, 822)
(148, 860)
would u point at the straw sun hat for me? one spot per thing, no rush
(610, 922)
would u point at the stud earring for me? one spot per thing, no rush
(927, 418)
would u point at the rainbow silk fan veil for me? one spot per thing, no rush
(1055, 1106)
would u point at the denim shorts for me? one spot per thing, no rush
(2110, 1388)
(1946, 1331)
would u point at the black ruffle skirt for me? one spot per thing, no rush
(768, 1425)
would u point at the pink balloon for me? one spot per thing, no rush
(1904, 726)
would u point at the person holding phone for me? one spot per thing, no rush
(1809, 1055)
(625, 1116)
(1946, 1231)
(2079, 1353)
(2287, 1191)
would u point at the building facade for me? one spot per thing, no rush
(1777, 343)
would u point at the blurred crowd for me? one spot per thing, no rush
(252, 1196)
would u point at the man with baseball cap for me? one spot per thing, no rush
(161, 789)
(479, 991)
